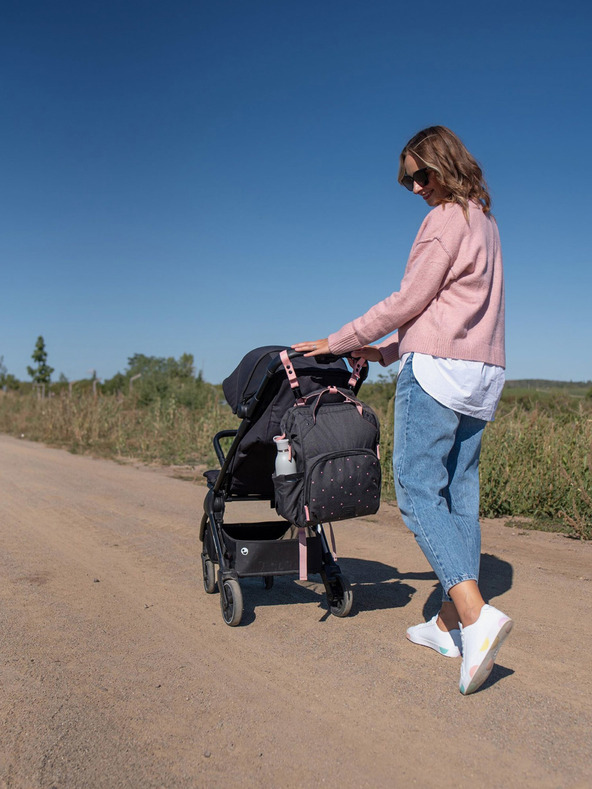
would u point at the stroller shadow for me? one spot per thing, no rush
(495, 578)
(378, 586)
(375, 586)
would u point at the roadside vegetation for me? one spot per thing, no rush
(157, 411)
(536, 462)
(536, 466)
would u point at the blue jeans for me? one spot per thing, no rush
(436, 465)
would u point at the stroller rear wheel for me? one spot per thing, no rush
(343, 597)
(209, 575)
(231, 602)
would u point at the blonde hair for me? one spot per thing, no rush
(456, 170)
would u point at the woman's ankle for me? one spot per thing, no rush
(468, 601)
(448, 616)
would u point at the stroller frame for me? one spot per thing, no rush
(276, 556)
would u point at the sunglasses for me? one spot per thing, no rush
(421, 178)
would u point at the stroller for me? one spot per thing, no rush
(270, 384)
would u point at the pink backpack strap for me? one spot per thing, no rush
(289, 368)
(302, 553)
(333, 544)
(359, 364)
(334, 390)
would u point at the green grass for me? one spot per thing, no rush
(536, 462)
(163, 431)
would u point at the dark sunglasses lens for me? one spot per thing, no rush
(421, 177)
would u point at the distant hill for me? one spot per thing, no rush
(541, 385)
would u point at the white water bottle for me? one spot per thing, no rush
(284, 464)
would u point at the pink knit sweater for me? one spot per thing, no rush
(451, 301)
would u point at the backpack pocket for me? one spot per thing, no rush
(288, 497)
(342, 485)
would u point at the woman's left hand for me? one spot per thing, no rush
(313, 348)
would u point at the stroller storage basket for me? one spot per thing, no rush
(261, 549)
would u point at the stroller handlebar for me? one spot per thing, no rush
(247, 409)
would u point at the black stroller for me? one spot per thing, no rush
(260, 393)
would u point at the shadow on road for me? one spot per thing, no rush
(498, 672)
(376, 586)
(495, 578)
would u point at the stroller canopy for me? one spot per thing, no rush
(243, 383)
(252, 468)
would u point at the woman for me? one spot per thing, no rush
(449, 313)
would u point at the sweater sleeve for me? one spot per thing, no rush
(389, 350)
(426, 271)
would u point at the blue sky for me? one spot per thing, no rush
(211, 176)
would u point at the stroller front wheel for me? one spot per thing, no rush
(231, 602)
(342, 603)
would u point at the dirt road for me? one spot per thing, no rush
(118, 671)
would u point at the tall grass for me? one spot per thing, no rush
(164, 431)
(536, 460)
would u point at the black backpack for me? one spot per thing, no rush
(334, 441)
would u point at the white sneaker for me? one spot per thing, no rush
(481, 642)
(428, 634)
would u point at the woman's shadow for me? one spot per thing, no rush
(376, 586)
(495, 578)
(380, 586)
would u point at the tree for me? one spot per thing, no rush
(42, 373)
(185, 366)
(7, 380)
(119, 383)
(159, 366)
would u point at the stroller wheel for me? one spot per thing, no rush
(209, 576)
(231, 602)
(343, 598)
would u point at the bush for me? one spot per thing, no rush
(536, 460)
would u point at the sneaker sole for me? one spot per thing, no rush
(488, 661)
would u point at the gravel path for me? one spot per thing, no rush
(116, 669)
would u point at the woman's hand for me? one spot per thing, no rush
(368, 352)
(321, 348)
(313, 348)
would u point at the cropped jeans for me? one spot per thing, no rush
(436, 470)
